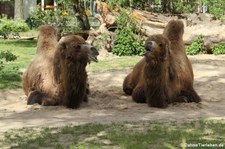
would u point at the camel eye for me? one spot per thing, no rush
(64, 46)
(160, 45)
(78, 46)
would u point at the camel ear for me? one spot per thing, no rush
(62, 47)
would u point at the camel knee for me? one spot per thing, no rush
(138, 95)
(34, 97)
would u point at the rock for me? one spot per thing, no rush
(101, 133)
(110, 20)
(102, 29)
(106, 142)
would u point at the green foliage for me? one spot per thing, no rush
(6, 56)
(126, 42)
(9, 26)
(122, 3)
(9, 75)
(216, 7)
(101, 40)
(39, 17)
(126, 20)
(219, 49)
(196, 47)
(128, 3)
(23, 51)
(59, 18)
(182, 7)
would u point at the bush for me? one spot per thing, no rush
(196, 47)
(138, 4)
(59, 18)
(183, 7)
(126, 42)
(52, 17)
(6, 56)
(126, 20)
(216, 7)
(219, 49)
(9, 26)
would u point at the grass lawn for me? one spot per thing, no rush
(24, 49)
(112, 64)
(142, 135)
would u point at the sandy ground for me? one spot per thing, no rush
(107, 102)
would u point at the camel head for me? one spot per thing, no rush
(73, 48)
(157, 48)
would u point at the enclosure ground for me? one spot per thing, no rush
(107, 102)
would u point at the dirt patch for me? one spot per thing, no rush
(107, 102)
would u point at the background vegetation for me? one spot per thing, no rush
(127, 42)
(197, 47)
(10, 26)
(219, 49)
(215, 7)
(14, 57)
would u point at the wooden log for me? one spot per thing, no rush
(154, 24)
(150, 20)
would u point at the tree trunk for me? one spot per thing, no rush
(19, 9)
(78, 7)
(166, 6)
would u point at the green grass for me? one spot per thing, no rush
(25, 50)
(112, 64)
(141, 135)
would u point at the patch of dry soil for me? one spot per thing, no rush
(107, 102)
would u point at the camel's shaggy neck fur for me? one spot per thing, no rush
(157, 89)
(74, 87)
